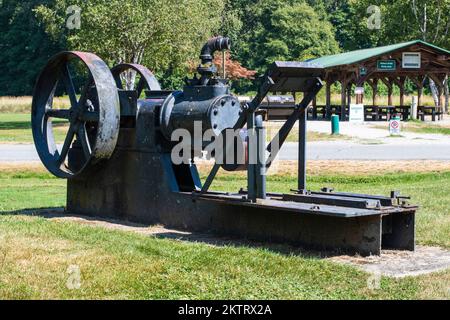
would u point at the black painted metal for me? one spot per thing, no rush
(260, 168)
(141, 183)
(210, 106)
(302, 151)
(93, 118)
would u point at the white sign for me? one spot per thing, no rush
(356, 113)
(359, 90)
(394, 126)
(411, 60)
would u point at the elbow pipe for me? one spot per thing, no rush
(213, 45)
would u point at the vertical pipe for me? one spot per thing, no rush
(252, 155)
(260, 168)
(224, 70)
(302, 151)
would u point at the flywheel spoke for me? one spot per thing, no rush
(90, 116)
(84, 140)
(66, 146)
(68, 84)
(58, 113)
(85, 92)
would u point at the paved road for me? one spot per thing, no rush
(322, 150)
(353, 151)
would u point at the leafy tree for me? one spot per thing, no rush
(162, 34)
(280, 30)
(24, 46)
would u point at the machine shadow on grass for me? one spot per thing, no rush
(161, 232)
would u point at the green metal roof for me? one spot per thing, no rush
(364, 54)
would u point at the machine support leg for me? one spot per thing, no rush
(253, 156)
(260, 168)
(302, 151)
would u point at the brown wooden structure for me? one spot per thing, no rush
(391, 65)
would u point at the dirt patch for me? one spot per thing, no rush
(399, 264)
(35, 166)
(289, 167)
(349, 167)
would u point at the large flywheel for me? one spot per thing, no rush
(144, 78)
(93, 117)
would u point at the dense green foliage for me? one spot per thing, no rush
(166, 35)
(24, 46)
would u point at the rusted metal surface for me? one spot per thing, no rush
(94, 117)
(148, 81)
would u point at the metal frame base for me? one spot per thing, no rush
(124, 188)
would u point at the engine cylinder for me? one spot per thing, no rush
(212, 107)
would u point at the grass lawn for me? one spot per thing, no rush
(35, 252)
(421, 127)
(16, 128)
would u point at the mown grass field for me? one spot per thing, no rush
(16, 128)
(421, 127)
(35, 252)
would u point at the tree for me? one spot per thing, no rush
(280, 30)
(233, 69)
(162, 34)
(24, 46)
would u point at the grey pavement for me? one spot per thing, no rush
(320, 150)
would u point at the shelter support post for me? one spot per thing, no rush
(328, 100)
(343, 98)
(374, 85)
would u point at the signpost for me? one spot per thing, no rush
(362, 71)
(394, 126)
(386, 65)
(356, 113)
(411, 60)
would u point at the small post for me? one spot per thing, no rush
(414, 104)
(334, 124)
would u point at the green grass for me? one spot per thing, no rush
(16, 128)
(421, 127)
(428, 129)
(35, 252)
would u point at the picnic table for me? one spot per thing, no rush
(432, 111)
(378, 113)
